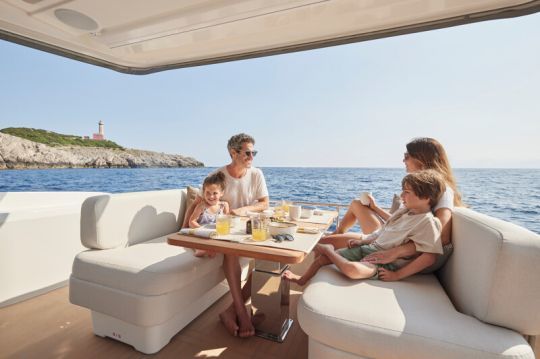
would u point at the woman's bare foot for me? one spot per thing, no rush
(228, 318)
(246, 328)
(295, 278)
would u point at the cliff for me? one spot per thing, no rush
(18, 153)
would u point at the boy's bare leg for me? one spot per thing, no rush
(368, 220)
(319, 262)
(340, 240)
(353, 270)
(238, 309)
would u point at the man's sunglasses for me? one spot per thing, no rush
(282, 237)
(248, 153)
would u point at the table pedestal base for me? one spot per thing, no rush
(270, 300)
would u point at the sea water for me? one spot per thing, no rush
(509, 194)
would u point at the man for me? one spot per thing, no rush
(245, 191)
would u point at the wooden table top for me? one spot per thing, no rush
(281, 255)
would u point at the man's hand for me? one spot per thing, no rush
(382, 257)
(238, 212)
(387, 275)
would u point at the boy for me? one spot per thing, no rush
(414, 222)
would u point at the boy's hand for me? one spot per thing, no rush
(354, 243)
(387, 275)
(382, 257)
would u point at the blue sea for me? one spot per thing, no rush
(509, 194)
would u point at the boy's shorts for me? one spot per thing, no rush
(356, 254)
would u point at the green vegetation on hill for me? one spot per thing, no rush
(56, 139)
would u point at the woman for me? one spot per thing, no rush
(422, 153)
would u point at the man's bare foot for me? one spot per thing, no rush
(246, 328)
(290, 276)
(228, 318)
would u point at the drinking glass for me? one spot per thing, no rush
(258, 228)
(223, 224)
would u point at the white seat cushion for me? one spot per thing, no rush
(409, 319)
(149, 268)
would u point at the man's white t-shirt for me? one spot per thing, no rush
(244, 191)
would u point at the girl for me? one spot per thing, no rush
(422, 153)
(210, 207)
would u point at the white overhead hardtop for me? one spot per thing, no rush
(141, 36)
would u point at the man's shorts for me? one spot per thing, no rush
(356, 254)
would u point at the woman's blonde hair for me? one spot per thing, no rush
(433, 156)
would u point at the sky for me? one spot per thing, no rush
(475, 88)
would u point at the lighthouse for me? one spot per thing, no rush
(100, 136)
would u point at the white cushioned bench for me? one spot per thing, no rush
(480, 305)
(141, 290)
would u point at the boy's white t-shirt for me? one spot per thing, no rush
(423, 229)
(244, 191)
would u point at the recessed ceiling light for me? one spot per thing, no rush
(76, 19)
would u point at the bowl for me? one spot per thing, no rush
(282, 228)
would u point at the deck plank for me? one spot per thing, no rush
(48, 326)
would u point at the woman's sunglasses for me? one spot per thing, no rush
(406, 156)
(248, 153)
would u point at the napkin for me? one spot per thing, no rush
(199, 232)
(310, 230)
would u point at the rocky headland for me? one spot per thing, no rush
(18, 153)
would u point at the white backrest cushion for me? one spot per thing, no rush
(494, 271)
(118, 220)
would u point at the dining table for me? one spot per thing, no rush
(270, 292)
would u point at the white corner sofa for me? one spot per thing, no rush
(141, 290)
(36, 236)
(479, 305)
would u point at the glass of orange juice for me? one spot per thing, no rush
(285, 205)
(223, 224)
(258, 228)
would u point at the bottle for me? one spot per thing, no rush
(248, 226)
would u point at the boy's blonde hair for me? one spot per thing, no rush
(425, 184)
(217, 178)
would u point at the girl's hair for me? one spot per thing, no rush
(433, 156)
(216, 178)
(425, 184)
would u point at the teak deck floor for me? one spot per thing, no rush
(48, 326)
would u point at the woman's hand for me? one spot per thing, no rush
(372, 203)
(382, 257)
